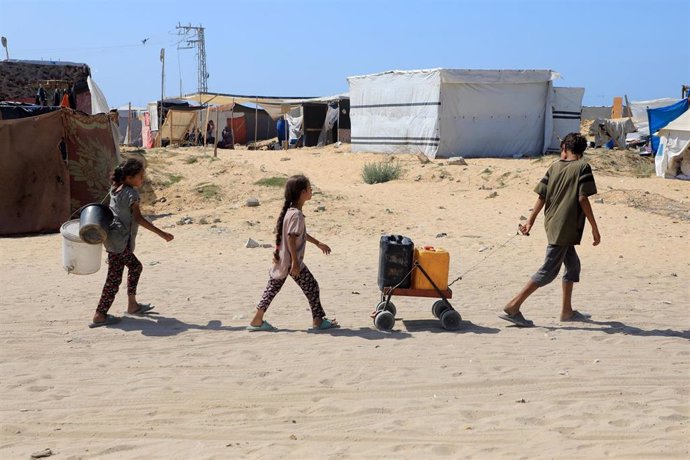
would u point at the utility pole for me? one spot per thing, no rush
(194, 38)
(160, 108)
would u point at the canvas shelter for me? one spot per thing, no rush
(662, 116)
(131, 125)
(52, 164)
(291, 108)
(447, 112)
(672, 159)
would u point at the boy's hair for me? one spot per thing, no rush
(128, 168)
(575, 143)
(294, 187)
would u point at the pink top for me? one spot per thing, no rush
(293, 224)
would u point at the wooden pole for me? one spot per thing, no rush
(256, 121)
(208, 110)
(232, 119)
(215, 141)
(129, 124)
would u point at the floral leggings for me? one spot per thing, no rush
(116, 267)
(305, 280)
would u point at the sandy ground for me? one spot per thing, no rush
(190, 382)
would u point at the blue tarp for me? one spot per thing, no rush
(660, 117)
(12, 110)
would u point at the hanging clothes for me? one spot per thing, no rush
(72, 98)
(41, 96)
(65, 99)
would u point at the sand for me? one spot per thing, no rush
(190, 382)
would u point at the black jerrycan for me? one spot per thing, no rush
(395, 261)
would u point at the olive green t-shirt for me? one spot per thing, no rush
(564, 182)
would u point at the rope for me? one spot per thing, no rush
(484, 259)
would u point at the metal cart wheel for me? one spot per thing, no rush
(439, 307)
(450, 320)
(388, 306)
(384, 320)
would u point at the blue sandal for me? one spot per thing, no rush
(265, 326)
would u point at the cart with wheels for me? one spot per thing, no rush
(384, 316)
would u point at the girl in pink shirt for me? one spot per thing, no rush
(288, 258)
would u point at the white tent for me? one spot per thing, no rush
(673, 157)
(446, 112)
(567, 114)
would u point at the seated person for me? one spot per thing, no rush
(226, 141)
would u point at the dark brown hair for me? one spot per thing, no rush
(574, 142)
(294, 187)
(128, 168)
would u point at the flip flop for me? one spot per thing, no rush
(144, 308)
(265, 326)
(327, 324)
(517, 319)
(578, 316)
(109, 320)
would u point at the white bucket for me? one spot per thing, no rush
(78, 257)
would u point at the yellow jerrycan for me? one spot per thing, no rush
(435, 262)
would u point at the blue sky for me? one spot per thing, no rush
(310, 47)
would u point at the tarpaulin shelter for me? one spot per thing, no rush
(662, 116)
(673, 156)
(131, 125)
(278, 107)
(446, 112)
(52, 164)
(21, 79)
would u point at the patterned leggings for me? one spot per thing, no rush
(116, 267)
(305, 280)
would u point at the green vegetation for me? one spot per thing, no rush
(172, 179)
(275, 181)
(382, 171)
(191, 160)
(208, 190)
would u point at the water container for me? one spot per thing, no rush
(78, 257)
(94, 221)
(435, 262)
(395, 260)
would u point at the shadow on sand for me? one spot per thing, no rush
(616, 327)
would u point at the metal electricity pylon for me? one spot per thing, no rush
(194, 38)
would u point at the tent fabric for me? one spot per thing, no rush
(661, 116)
(673, 156)
(91, 155)
(98, 102)
(567, 110)
(177, 123)
(447, 112)
(275, 106)
(48, 179)
(639, 112)
(34, 196)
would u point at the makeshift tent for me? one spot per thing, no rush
(177, 124)
(673, 156)
(131, 125)
(661, 116)
(639, 112)
(277, 107)
(52, 164)
(447, 112)
(567, 111)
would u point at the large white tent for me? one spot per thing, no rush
(473, 113)
(673, 156)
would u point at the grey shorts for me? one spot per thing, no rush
(555, 257)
